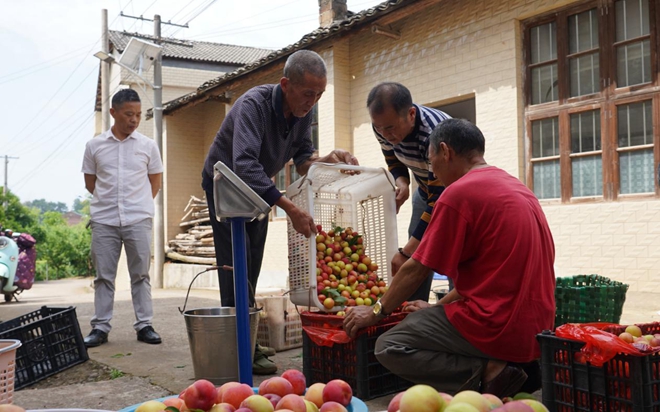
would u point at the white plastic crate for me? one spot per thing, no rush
(279, 323)
(365, 202)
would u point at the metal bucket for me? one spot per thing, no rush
(212, 339)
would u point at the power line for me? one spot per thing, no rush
(202, 10)
(44, 120)
(50, 62)
(61, 146)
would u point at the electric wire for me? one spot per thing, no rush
(203, 9)
(50, 62)
(66, 142)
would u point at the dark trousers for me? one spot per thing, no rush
(425, 348)
(255, 237)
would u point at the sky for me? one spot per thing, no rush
(48, 73)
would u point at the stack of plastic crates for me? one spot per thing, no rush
(335, 195)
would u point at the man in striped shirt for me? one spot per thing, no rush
(403, 129)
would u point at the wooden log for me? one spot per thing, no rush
(191, 259)
(204, 234)
(193, 222)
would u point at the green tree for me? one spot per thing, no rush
(66, 249)
(81, 205)
(62, 250)
(45, 206)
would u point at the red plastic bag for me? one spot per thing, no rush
(326, 330)
(601, 346)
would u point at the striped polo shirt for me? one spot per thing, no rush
(256, 141)
(412, 153)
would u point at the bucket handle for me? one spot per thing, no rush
(223, 267)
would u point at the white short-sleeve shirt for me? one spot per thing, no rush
(122, 195)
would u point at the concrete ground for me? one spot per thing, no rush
(152, 371)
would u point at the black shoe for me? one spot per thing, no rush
(533, 382)
(148, 335)
(96, 338)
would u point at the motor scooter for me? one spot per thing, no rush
(17, 263)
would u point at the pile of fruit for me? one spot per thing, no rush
(423, 398)
(345, 275)
(287, 392)
(633, 335)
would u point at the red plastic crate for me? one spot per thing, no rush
(353, 362)
(626, 383)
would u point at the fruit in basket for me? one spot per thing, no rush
(393, 406)
(257, 403)
(447, 397)
(473, 398)
(176, 403)
(634, 330)
(493, 400)
(314, 394)
(273, 398)
(202, 394)
(536, 405)
(333, 407)
(311, 407)
(515, 406)
(297, 380)
(627, 337)
(222, 407)
(328, 303)
(460, 407)
(294, 402)
(11, 408)
(338, 391)
(148, 406)
(277, 385)
(235, 395)
(421, 398)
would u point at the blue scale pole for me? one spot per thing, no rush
(242, 301)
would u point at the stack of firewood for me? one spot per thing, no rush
(196, 244)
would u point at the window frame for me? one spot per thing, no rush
(606, 100)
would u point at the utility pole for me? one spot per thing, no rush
(105, 74)
(159, 224)
(4, 188)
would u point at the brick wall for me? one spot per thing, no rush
(457, 50)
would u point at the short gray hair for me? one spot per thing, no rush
(304, 61)
(462, 136)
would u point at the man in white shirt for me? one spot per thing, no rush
(123, 172)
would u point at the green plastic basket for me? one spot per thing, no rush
(589, 298)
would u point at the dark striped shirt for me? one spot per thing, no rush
(412, 153)
(255, 141)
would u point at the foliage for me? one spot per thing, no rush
(66, 249)
(62, 250)
(116, 373)
(44, 206)
(81, 206)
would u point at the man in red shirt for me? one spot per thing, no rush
(497, 247)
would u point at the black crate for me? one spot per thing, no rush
(624, 384)
(51, 342)
(353, 362)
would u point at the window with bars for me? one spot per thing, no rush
(289, 174)
(592, 101)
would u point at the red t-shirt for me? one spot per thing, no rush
(489, 234)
